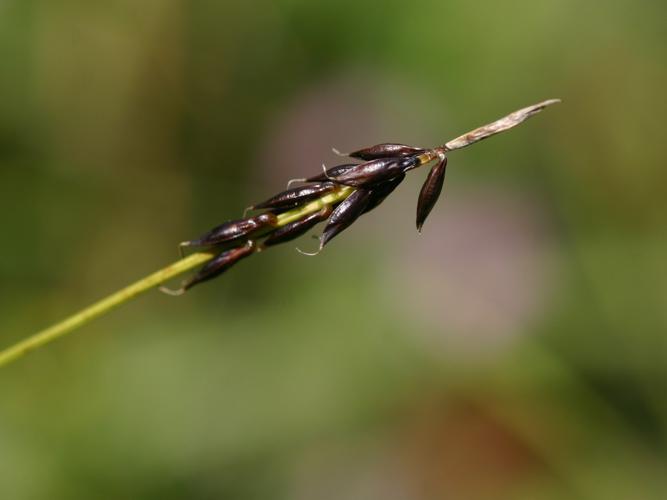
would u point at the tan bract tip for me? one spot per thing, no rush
(501, 125)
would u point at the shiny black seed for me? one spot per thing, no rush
(297, 228)
(386, 150)
(233, 230)
(294, 197)
(345, 214)
(381, 191)
(375, 171)
(220, 264)
(331, 172)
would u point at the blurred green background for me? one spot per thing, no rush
(516, 349)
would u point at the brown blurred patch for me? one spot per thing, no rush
(460, 450)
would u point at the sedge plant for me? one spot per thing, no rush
(337, 195)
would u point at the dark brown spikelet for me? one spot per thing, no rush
(344, 193)
(331, 172)
(294, 197)
(233, 230)
(430, 191)
(220, 264)
(381, 191)
(297, 228)
(345, 214)
(375, 171)
(385, 150)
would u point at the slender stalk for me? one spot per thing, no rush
(143, 285)
(102, 307)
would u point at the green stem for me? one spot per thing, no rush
(101, 307)
(135, 289)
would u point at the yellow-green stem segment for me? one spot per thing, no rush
(157, 278)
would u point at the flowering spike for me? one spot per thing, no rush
(343, 193)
